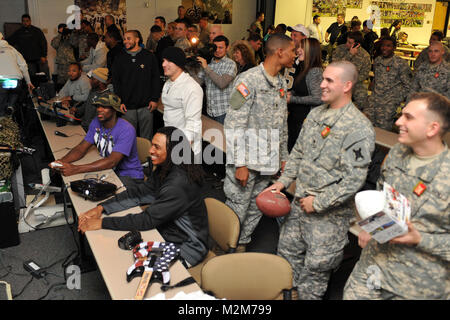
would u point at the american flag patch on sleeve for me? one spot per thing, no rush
(243, 90)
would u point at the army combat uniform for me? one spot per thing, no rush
(362, 62)
(391, 87)
(64, 57)
(329, 161)
(432, 78)
(423, 57)
(395, 271)
(256, 123)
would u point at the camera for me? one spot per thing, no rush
(206, 52)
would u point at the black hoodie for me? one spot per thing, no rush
(135, 78)
(30, 42)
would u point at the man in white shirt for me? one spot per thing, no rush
(97, 55)
(182, 98)
(315, 30)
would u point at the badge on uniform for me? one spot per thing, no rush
(243, 90)
(282, 93)
(358, 154)
(387, 68)
(325, 132)
(420, 188)
(436, 75)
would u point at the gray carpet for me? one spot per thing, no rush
(48, 248)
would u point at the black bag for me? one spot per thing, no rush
(93, 189)
(9, 232)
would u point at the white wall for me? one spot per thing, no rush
(300, 11)
(47, 14)
(11, 11)
(293, 12)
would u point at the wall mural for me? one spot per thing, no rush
(220, 11)
(330, 8)
(412, 15)
(95, 11)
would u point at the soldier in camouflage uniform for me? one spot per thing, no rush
(329, 164)
(391, 86)
(423, 56)
(361, 59)
(415, 265)
(433, 76)
(79, 37)
(62, 43)
(258, 109)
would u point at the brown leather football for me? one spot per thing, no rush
(273, 204)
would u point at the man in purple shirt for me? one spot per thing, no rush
(115, 139)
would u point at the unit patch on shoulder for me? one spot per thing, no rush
(243, 90)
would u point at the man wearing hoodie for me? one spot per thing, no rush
(135, 77)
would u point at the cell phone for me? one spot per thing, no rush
(355, 45)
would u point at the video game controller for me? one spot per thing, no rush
(55, 164)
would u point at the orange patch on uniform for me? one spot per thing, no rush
(325, 132)
(420, 188)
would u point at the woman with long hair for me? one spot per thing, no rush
(173, 190)
(243, 55)
(306, 92)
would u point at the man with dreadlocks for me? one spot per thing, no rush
(173, 190)
(115, 140)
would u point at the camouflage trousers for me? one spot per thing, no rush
(243, 199)
(361, 285)
(381, 112)
(314, 246)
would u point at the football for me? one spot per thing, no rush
(273, 204)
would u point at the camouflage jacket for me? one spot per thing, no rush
(434, 78)
(423, 57)
(257, 121)
(392, 79)
(64, 50)
(331, 156)
(422, 271)
(361, 60)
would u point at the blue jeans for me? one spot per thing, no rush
(220, 118)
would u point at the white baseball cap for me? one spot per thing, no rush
(300, 28)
